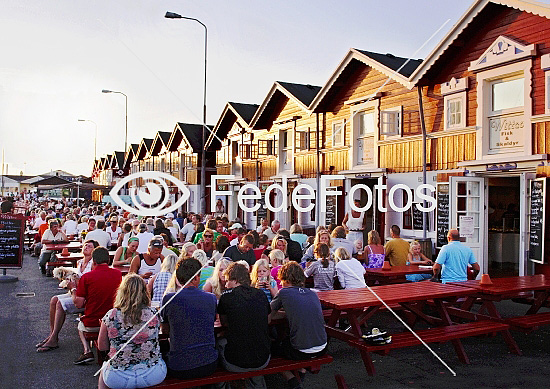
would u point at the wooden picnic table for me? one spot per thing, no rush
(361, 304)
(60, 246)
(396, 274)
(504, 289)
(72, 257)
(124, 269)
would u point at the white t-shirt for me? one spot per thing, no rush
(270, 234)
(82, 227)
(174, 232)
(114, 234)
(351, 274)
(188, 230)
(70, 227)
(38, 222)
(144, 239)
(102, 237)
(97, 218)
(48, 235)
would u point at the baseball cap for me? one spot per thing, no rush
(169, 216)
(235, 226)
(157, 241)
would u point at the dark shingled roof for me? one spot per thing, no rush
(119, 159)
(165, 136)
(246, 111)
(393, 62)
(193, 134)
(148, 143)
(304, 93)
(18, 178)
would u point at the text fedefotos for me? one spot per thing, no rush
(306, 192)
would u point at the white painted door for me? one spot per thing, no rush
(525, 267)
(467, 198)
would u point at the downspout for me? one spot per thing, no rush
(423, 126)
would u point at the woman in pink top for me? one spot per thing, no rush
(276, 259)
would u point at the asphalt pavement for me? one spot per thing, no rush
(24, 322)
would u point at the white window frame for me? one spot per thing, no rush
(453, 90)
(396, 116)
(485, 79)
(342, 133)
(365, 136)
(285, 152)
(545, 66)
(356, 110)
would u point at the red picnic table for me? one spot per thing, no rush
(396, 274)
(124, 269)
(361, 304)
(75, 246)
(504, 289)
(72, 257)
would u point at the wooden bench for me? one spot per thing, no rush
(58, 264)
(432, 335)
(276, 365)
(529, 323)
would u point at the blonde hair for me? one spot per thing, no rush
(244, 263)
(168, 223)
(274, 243)
(318, 235)
(131, 298)
(277, 255)
(169, 263)
(201, 256)
(341, 254)
(217, 287)
(373, 237)
(413, 245)
(254, 272)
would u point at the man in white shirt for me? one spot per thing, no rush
(51, 235)
(83, 226)
(39, 220)
(114, 230)
(272, 232)
(189, 229)
(144, 238)
(100, 235)
(70, 226)
(264, 225)
(175, 224)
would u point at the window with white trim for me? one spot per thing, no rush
(391, 121)
(365, 137)
(338, 128)
(286, 151)
(454, 101)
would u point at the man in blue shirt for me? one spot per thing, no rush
(453, 260)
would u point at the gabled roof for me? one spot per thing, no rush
(32, 180)
(107, 162)
(17, 177)
(191, 134)
(397, 68)
(130, 154)
(535, 8)
(52, 180)
(118, 160)
(161, 139)
(144, 148)
(231, 113)
(282, 91)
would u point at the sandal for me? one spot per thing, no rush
(41, 343)
(45, 349)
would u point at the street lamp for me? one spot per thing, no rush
(172, 15)
(126, 131)
(95, 139)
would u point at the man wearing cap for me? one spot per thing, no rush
(114, 230)
(453, 260)
(51, 235)
(237, 234)
(148, 264)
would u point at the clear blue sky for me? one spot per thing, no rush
(57, 56)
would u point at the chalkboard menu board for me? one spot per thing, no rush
(330, 215)
(261, 212)
(417, 216)
(537, 208)
(442, 219)
(12, 227)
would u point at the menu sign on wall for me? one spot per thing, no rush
(261, 213)
(537, 211)
(11, 240)
(442, 218)
(330, 215)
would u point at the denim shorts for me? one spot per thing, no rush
(136, 378)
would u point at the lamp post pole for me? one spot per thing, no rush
(126, 115)
(172, 15)
(95, 139)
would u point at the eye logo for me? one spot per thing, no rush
(150, 202)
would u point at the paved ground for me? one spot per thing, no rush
(23, 322)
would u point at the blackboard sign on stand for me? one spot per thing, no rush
(537, 220)
(442, 218)
(12, 227)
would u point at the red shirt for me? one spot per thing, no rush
(99, 288)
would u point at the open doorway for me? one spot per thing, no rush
(504, 226)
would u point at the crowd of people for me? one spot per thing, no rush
(208, 272)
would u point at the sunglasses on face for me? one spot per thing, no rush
(208, 236)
